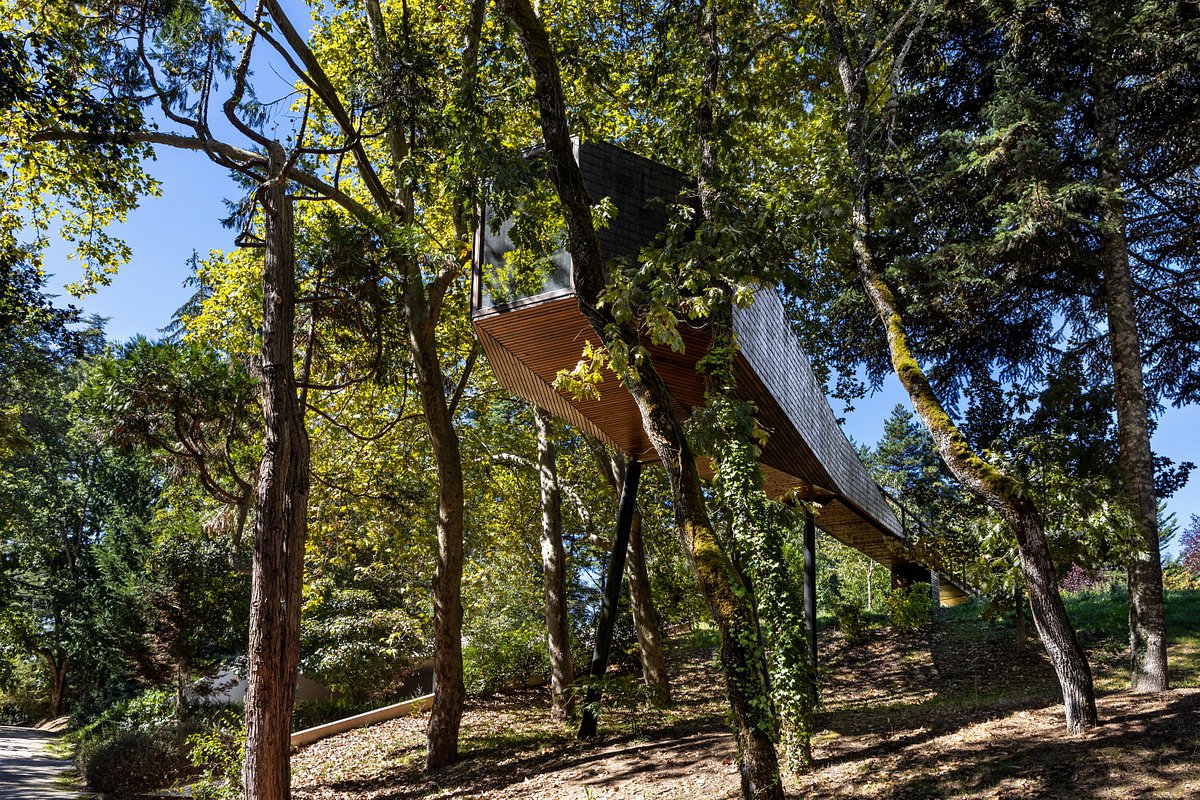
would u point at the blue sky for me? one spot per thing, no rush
(165, 232)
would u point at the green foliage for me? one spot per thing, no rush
(311, 713)
(504, 650)
(22, 688)
(910, 608)
(135, 745)
(196, 605)
(133, 760)
(844, 573)
(217, 754)
(757, 528)
(73, 529)
(848, 617)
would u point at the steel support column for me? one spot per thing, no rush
(612, 593)
(810, 589)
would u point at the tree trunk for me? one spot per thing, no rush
(1147, 623)
(554, 575)
(998, 490)
(280, 525)
(449, 692)
(58, 683)
(645, 620)
(724, 592)
(1020, 636)
(180, 675)
(422, 306)
(995, 487)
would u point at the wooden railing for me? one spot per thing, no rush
(912, 523)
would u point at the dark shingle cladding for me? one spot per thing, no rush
(641, 192)
(639, 188)
(766, 341)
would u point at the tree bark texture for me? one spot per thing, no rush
(1147, 623)
(995, 487)
(724, 592)
(998, 489)
(641, 602)
(58, 683)
(280, 526)
(554, 574)
(645, 620)
(450, 692)
(422, 305)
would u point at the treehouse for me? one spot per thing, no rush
(525, 313)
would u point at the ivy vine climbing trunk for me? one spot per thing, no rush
(1147, 621)
(756, 523)
(554, 573)
(281, 522)
(994, 486)
(726, 594)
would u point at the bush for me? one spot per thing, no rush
(849, 619)
(496, 659)
(218, 753)
(135, 761)
(21, 709)
(910, 608)
(137, 745)
(23, 695)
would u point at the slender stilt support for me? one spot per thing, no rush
(612, 593)
(810, 594)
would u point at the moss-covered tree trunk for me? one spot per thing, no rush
(280, 526)
(999, 490)
(726, 595)
(1147, 622)
(554, 573)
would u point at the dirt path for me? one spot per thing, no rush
(26, 772)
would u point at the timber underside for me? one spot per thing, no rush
(527, 347)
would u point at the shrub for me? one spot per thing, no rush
(23, 695)
(137, 745)
(910, 607)
(849, 619)
(495, 659)
(134, 760)
(21, 709)
(218, 753)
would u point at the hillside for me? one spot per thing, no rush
(954, 712)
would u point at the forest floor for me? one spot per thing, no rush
(954, 712)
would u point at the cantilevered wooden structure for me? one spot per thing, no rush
(527, 317)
